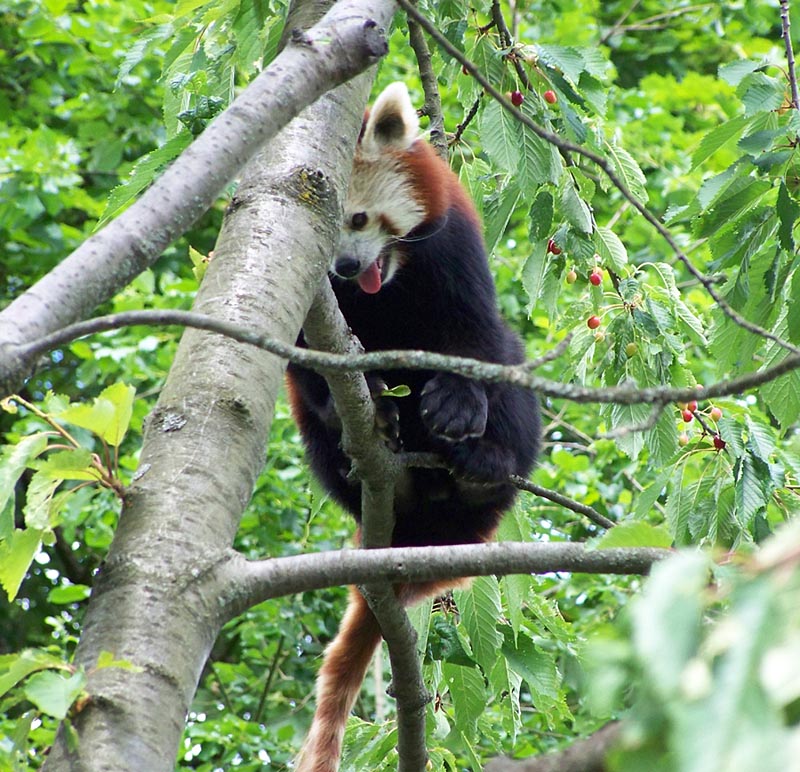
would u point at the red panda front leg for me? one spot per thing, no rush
(457, 411)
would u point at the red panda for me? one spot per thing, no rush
(410, 272)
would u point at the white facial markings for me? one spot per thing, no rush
(380, 188)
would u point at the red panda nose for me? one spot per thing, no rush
(347, 267)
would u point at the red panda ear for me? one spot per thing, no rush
(392, 123)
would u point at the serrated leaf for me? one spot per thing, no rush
(793, 309)
(646, 499)
(733, 72)
(628, 171)
(54, 693)
(497, 210)
(517, 150)
(750, 495)
(73, 464)
(719, 137)
(13, 462)
(539, 670)
(480, 609)
(630, 415)
(533, 274)
(467, 692)
(146, 169)
(662, 440)
(37, 502)
(761, 93)
(611, 249)
(108, 416)
(635, 534)
(16, 554)
(574, 208)
(567, 59)
(541, 216)
(788, 213)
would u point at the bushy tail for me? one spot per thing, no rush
(338, 684)
(342, 673)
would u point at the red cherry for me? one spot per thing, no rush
(553, 248)
(719, 443)
(571, 277)
(687, 416)
(593, 322)
(595, 278)
(550, 97)
(517, 98)
(692, 405)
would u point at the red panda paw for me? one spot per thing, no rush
(481, 462)
(454, 408)
(387, 414)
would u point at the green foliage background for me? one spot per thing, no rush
(689, 104)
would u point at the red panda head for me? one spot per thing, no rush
(397, 184)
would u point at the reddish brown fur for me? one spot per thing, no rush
(435, 184)
(342, 673)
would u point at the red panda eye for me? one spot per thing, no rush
(358, 220)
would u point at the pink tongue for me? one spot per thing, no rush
(370, 280)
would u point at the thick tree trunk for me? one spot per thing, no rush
(204, 446)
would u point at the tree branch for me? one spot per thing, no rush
(565, 146)
(587, 755)
(377, 469)
(787, 39)
(345, 42)
(240, 583)
(433, 103)
(519, 375)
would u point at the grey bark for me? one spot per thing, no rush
(204, 444)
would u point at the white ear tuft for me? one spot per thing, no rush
(393, 122)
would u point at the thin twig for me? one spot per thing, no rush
(507, 42)
(582, 509)
(565, 146)
(394, 360)
(468, 118)
(433, 103)
(785, 24)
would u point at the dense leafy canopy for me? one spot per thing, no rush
(688, 105)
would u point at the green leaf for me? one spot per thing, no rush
(16, 555)
(15, 667)
(574, 208)
(635, 534)
(792, 311)
(788, 214)
(497, 211)
(722, 136)
(468, 692)
(628, 171)
(538, 669)
(37, 504)
(541, 216)
(611, 249)
(13, 461)
(480, 609)
(733, 72)
(54, 693)
(668, 618)
(147, 168)
(72, 593)
(108, 416)
(72, 464)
